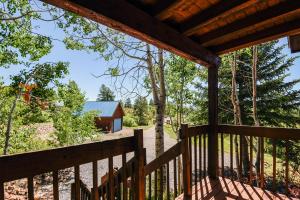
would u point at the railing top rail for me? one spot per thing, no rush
(268, 132)
(197, 130)
(166, 157)
(23, 165)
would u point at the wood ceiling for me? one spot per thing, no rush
(196, 29)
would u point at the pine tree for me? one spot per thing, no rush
(128, 103)
(277, 98)
(141, 111)
(105, 94)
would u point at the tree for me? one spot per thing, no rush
(40, 75)
(105, 94)
(141, 111)
(264, 93)
(180, 73)
(145, 69)
(71, 125)
(128, 103)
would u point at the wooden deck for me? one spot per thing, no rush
(223, 188)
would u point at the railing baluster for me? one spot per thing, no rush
(125, 187)
(168, 182)
(155, 184)
(241, 156)
(274, 165)
(95, 181)
(150, 188)
(191, 158)
(77, 182)
(200, 157)
(175, 176)
(204, 154)
(195, 163)
(222, 153)
(132, 182)
(262, 166)
(161, 184)
(1, 190)
(231, 154)
(30, 188)
(111, 178)
(287, 167)
(251, 161)
(55, 185)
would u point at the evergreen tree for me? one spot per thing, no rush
(141, 111)
(128, 103)
(105, 94)
(277, 99)
(151, 103)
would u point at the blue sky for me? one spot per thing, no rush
(83, 64)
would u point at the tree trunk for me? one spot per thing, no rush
(9, 125)
(157, 80)
(236, 109)
(254, 114)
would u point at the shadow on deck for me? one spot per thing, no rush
(223, 188)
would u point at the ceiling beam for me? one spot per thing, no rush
(272, 33)
(191, 25)
(259, 17)
(160, 6)
(123, 16)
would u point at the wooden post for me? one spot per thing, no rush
(1, 190)
(139, 175)
(186, 162)
(213, 121)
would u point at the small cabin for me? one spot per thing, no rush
(110, 117)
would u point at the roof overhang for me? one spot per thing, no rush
(198, 30)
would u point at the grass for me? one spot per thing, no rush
(267, 157)
(168, 129)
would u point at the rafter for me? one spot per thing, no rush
(256, 18)
(191, 25)
(161, 6)
(272, 33)
(123, 16)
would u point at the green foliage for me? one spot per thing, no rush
(277, 100)
(105, 94)
(71, 96)
(141, 111)
(73, 129)
(17, 37)
(128, 103)
(180, 73)
(25, 139)
(72, 126)
(129, 121)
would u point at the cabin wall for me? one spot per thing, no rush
(104, 123)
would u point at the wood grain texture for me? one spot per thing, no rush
(267, 132)
(223, 188)
(251, 20)
(20, 165)
(123, 16)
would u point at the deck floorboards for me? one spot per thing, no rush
(223, 188)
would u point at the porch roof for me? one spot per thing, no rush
(199, 30)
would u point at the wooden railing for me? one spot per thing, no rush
(28, 165)
(245, 143)
(174, 172)
(239, 143)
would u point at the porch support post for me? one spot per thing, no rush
(139, 175)
(213, 120)
(186, 162)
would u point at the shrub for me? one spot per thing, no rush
(129, 121)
